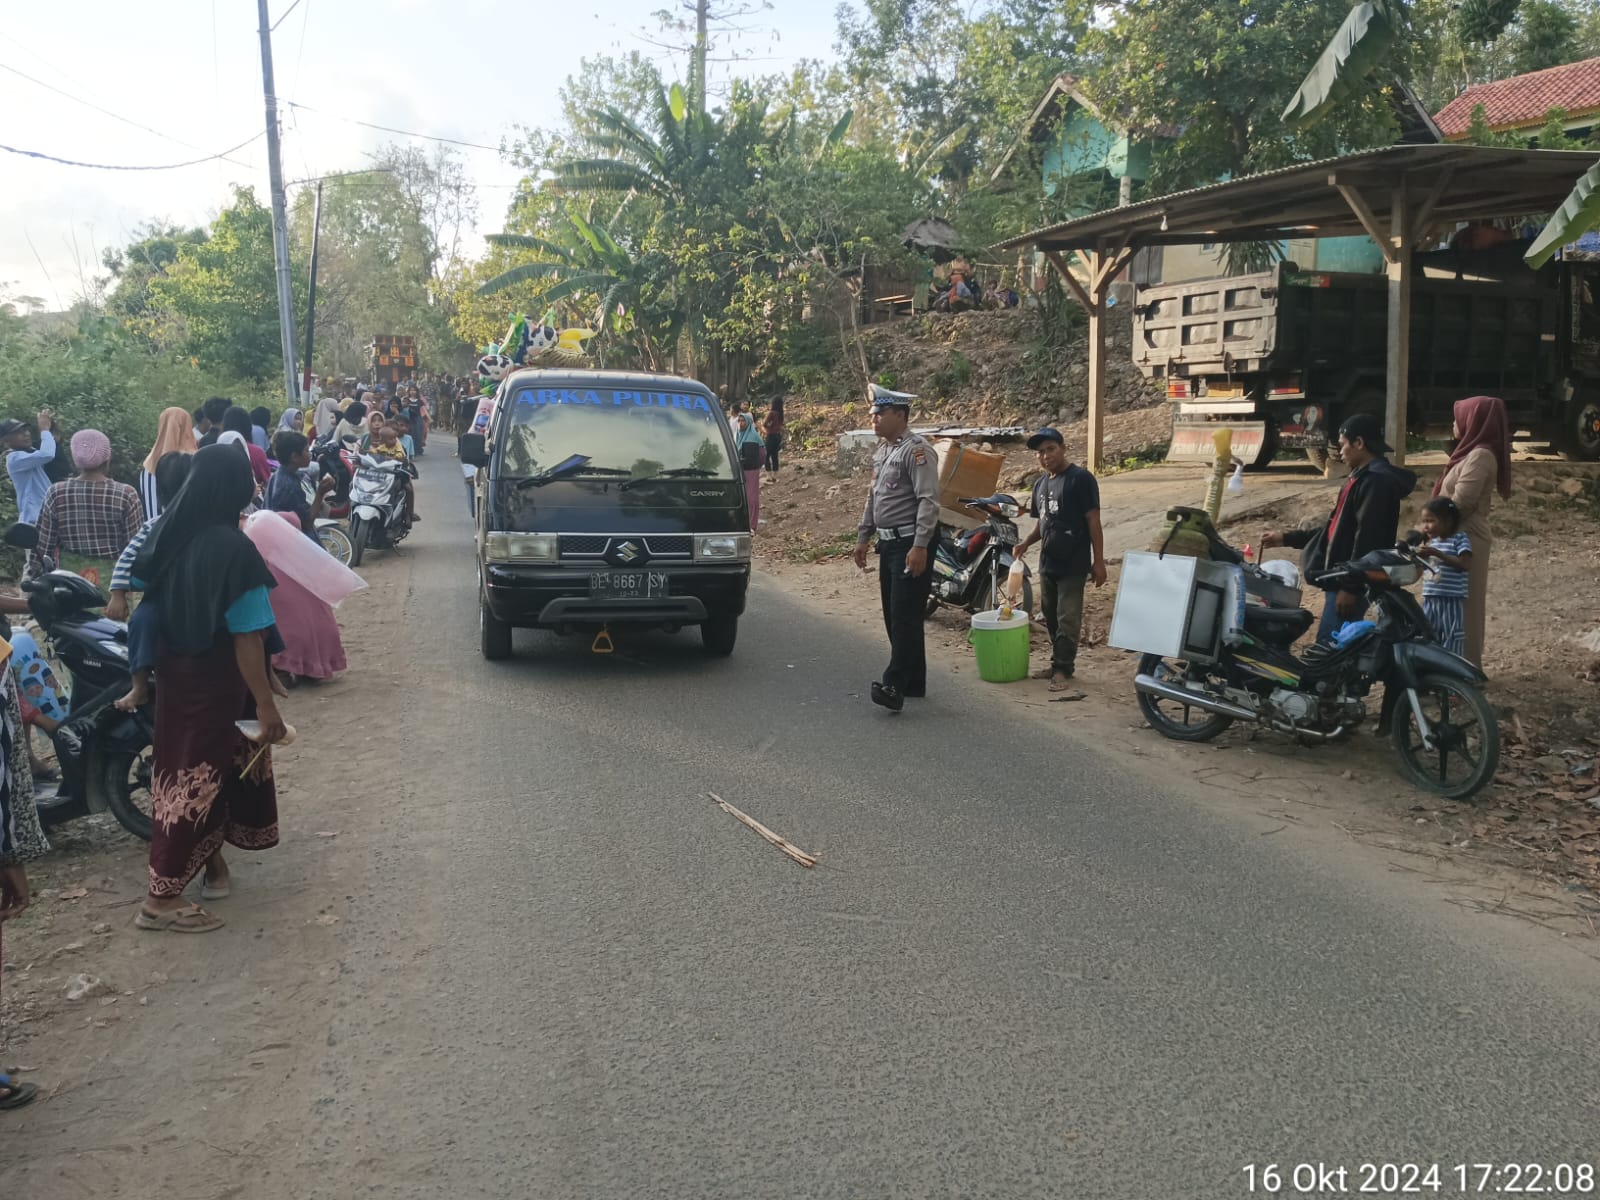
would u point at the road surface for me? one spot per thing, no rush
(534, 960)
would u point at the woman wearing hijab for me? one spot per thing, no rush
(1480, 466)
(207, 784)
(174, 435)
(289, 422)
(312, 650)
(236, 420)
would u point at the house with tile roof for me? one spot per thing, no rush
(1522, 103)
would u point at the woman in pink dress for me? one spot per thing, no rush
(312, 650)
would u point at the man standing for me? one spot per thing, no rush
(26, 466)
(1066, 501)
(215, 409)
(1366, 516)
(903, 509)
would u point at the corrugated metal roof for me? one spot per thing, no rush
(1473, 183)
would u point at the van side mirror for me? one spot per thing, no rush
(473, 449)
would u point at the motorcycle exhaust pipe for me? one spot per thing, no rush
(1151, 686)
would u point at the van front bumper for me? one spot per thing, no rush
(555, 596)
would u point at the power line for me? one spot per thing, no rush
(119, 167)
(104, 111)
(389, 128)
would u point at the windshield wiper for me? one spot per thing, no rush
(674, 473)
(571, 468)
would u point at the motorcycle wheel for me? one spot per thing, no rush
(1466, 733)
(359, 534)
(125, 784)
(337, 543)
(1171, 719)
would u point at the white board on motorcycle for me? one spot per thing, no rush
(1169, 605)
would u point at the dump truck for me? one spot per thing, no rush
(1285, 356)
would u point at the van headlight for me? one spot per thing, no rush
(520, 547)
(722, 547)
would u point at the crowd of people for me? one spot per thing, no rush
(217, 613)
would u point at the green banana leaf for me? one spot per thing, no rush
(1362, 43)
(1579, 213)
(1481, 21)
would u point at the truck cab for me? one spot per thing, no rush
(608, 499)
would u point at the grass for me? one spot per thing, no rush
(834, 546)
(1145, 456)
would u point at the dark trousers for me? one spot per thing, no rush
(1063, 619)
(905, 604)
(1331, 621)
(774, 444)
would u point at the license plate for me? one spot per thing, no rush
(627, 585)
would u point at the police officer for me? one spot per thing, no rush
(903, 510)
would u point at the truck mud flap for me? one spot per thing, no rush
(1192, 441)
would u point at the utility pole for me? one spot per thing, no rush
(697, 57)
(311, 291)
(280, 207)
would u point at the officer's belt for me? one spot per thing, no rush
(891, 534)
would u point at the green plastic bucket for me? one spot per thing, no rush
(1001, 646)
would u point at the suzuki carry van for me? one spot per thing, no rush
(607, 499)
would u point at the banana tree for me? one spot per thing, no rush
(1579, 213)
(1365, 43)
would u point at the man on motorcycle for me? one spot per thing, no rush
(1365, 517)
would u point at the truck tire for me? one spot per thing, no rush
(1582, 441)
(1271, 443)
(718, 633)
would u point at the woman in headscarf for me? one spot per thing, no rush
(289, 422)
(312, 649)
(236, 420)
(91, 515)
(174, 435)
(21, 838)
(1480, 466)
(208, 785)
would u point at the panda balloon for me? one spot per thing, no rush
(492, 368)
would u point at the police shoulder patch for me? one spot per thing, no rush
(919, 456)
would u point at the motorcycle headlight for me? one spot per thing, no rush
(722, 547)
(520, 547)
(1011, 510)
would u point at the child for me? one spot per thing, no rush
(144, 625)
(387, 445)
(403, 427)
(1444, 595)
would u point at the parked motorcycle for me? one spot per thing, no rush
(378, 517)
(970, 566)
(104, 754)
(331, 458)
(1444, 730)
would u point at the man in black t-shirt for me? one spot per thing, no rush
(1066, 499)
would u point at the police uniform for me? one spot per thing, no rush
(902, 510)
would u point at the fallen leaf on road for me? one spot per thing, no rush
(327, 833)
(327, 919)
(1070, 696)
(77, 893)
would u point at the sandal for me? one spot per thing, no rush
(1060, 682)
(210, 891)
(17, 1094)
(190, 919)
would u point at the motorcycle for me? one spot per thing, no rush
(104, 754)
(330, 458)
(970, 566)
(378, 517)
(1445, 732)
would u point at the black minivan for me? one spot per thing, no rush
(608, 499)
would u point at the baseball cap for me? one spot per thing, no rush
(10, 425)
(1369, 428)
(1046, 435)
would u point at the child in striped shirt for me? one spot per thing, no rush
(1444, 593)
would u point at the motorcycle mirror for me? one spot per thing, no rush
(1414, 537)
(23, 536)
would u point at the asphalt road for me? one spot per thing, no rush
(1021, 969)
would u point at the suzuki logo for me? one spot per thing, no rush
(627, 552)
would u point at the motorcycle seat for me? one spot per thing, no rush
(1281, 625)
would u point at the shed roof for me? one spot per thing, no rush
(1462, 182)
(1522, 101)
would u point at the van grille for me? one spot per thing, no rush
(595, 545)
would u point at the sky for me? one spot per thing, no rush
(184, 77)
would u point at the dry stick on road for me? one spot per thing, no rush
(782, 843)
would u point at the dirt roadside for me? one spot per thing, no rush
(1528, 847)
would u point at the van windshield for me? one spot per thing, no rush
(615, 433)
